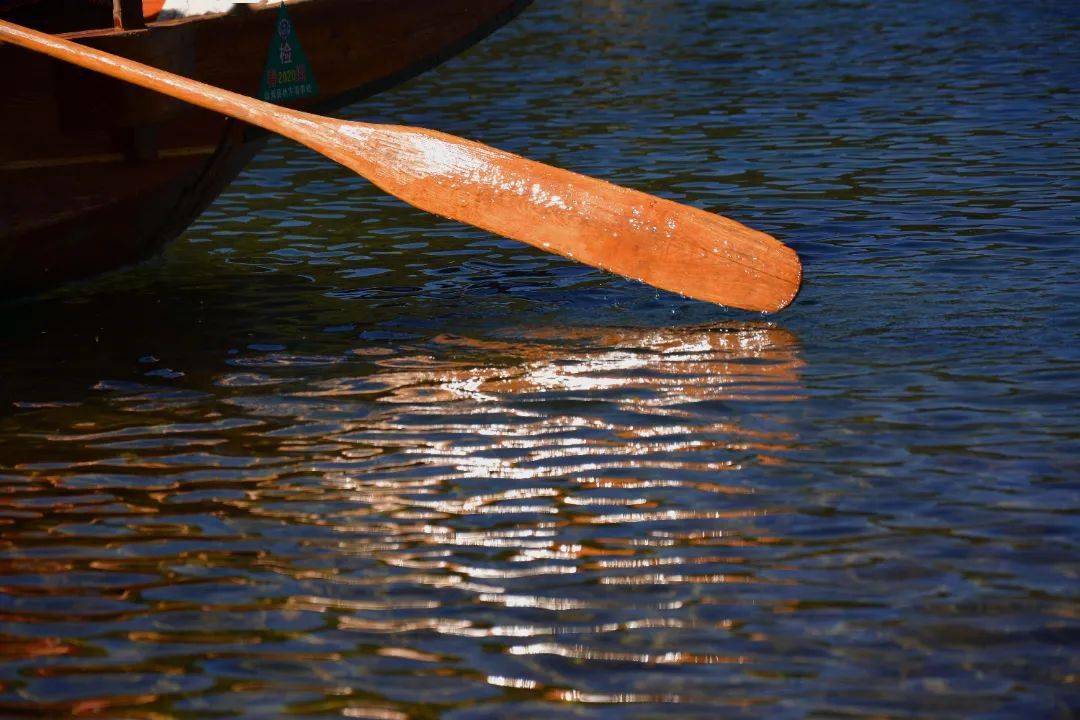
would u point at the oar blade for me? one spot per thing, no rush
(665, 244)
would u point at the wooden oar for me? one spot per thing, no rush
(668, 245)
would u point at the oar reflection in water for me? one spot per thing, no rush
(566, 401)
(527, 478)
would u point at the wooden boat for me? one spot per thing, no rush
(96, 174)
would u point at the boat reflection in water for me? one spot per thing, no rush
(556, 515)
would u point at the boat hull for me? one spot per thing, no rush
(96, 174)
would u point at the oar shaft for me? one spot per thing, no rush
(213, 98)
(663, 243)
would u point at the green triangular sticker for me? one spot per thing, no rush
(288, 74)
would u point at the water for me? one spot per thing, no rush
(329, 456)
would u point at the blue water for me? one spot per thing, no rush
(329, 456)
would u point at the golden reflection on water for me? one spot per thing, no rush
(447, 419)
(548, 494)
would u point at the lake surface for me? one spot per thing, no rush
(329, 456)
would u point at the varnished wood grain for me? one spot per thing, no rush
(666, 244)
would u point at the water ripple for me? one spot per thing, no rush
(331, 457)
